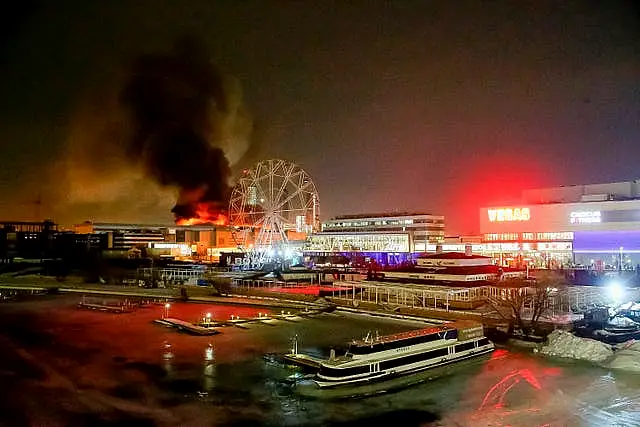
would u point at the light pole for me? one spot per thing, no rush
(620, 261)
(166, 310)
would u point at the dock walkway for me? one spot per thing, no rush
(105, 307)
(303, 360)
(187, 326)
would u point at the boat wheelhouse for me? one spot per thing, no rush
(379, 357)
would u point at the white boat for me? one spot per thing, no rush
(380, 357)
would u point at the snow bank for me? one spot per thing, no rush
(627, 358)
(565, 344)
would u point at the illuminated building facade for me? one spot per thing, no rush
(202, 242)
(595, 226)
(388, 238)
(21, 239)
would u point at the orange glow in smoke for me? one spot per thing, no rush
(206, 213)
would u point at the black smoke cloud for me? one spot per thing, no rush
(176, 104)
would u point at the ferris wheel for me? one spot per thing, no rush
(269, 201)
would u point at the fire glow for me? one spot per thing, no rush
(205, 213)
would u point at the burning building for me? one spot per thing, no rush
(205, 242)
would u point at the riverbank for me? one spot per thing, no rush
(260, 298)
(191, 293)
(251, 298)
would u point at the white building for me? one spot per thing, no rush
(388, 238)
(593, 225)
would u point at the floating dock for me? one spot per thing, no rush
(290, 317)
(105, 307)
(208, 326)
(303, 360)
(187, 327)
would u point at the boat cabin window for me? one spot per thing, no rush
(343, 372)
(483, 341)
(465, 346)
(407, 360)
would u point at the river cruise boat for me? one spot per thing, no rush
(380, 357)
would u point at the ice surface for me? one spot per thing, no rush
(564, 344)
(627, 358)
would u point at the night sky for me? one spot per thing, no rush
(437, 106)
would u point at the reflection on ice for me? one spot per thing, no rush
(209, 377)
(208, 353)
(527, 390)
(167, 358)
(496, 394)
(209, 371)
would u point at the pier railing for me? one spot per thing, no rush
(169, 275)
(568, 300)
(262, 284)
(406, 295)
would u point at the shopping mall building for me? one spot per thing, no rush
(387, 238)
(596, 225)
(202, 242)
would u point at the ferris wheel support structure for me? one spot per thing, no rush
(270, 200)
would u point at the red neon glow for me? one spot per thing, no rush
(493, 179)
(205, 213)
(499, 353)
(552, 372)
(495, 396)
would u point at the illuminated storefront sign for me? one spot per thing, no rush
(529, 237)
(501, 237)
(509, 214)
(585, 217)
(554, 235)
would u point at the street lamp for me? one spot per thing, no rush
(616, 292)
(620, 262)
(166, 310)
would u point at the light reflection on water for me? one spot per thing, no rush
(209, 371)
(223, 379)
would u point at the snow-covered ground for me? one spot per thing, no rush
(626, 357)
(565, 344)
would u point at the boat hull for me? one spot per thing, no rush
(404, 370)
(307, 388)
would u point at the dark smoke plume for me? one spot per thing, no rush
(176, 103)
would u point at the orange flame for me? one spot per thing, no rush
(206, 213)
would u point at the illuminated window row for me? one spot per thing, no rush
(527, 236)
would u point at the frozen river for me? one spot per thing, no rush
(64, 366)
